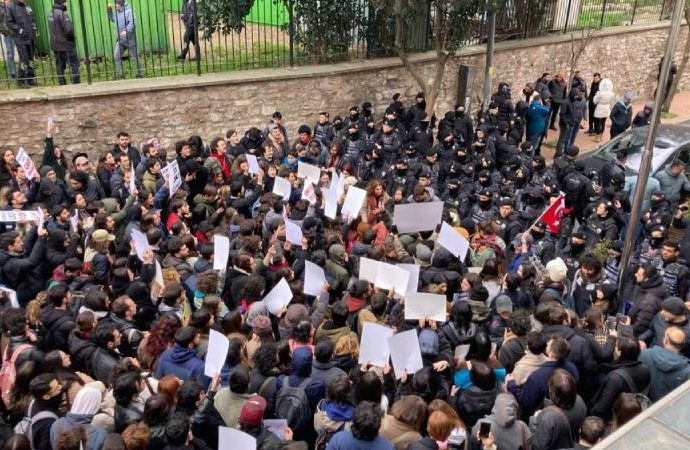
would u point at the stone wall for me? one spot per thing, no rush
(88, 117)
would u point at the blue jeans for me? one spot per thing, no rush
(128, 43)
(8, 44)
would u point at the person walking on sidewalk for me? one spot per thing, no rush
(189, 20)
(124, 18)
(603, 100)
(62, 42)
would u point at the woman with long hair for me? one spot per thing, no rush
(161, 337)
(8, 167)
(59, 363)
(375, 204)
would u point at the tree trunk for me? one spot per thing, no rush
(683, 63)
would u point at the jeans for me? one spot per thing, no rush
(189, 38)
(599, 125)
(535, 139)
(26, 76)
(61, 60)
(129, 43)
(554, 113)
(8, 44)
(566, 137)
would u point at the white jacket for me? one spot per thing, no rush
(605, 98)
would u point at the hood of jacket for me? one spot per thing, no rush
(505, 410)
(301, 362)
(51, 315)
(181, 355)
(666, 360)
(654, 284)
(339, 412)
(606, 85)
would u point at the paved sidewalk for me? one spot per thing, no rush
(680, 109)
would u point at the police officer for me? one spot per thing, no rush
(421, 134)
(649, 252)
(544, 242)
(572, 251)
(481, 210)
(506, 219)
(601, 225)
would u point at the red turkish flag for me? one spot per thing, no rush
(553, 214)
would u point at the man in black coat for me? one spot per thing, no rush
(19, 271)
(19, 20)
(62, 42)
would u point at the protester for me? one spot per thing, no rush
(135, 286)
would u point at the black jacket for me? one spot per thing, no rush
(102, 364)
(580, 354)
(19, 20)
(61, 29)
(24, 274)
(57, 326)
(80, 351)
(616, 384)
(474, 403)
(30, 354)
(647, 298)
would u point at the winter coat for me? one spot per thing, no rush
(474, 403)
(615, 384)
(668, 370)
(655, 334)
(399, 433)
(621, 117)
(425, 443)
(20, 21)
(604, 99)
(509, 432)
(647, 303)
(57, 324)
(532, 393)
(537, 116)
(580, 352)
(124, 21)
(102, 364)
(24, 274)
(180, 265)
(557, 91)
(61, 30)
(300, 370)
(183, 363)
(550, 430)
(332, 417)
(672, 185)
(344, 440)
(326, 372)
(80, 351)
(573, 111)
(229, 404)
(95, 435)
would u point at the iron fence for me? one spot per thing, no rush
(278, 33)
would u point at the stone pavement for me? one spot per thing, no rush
(680, 110)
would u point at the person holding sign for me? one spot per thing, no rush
(22, 274)
(375, 203)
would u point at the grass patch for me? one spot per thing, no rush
(550, 144)
(594, 19)
(668, 115)
(158, 64)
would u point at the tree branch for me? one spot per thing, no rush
(400, 48)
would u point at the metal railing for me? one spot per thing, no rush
(277, 33)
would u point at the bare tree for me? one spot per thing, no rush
(450, 28)
(578, 45)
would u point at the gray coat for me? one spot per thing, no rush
(672, 185)
(61, 29)
(19, 20)
(549, 429)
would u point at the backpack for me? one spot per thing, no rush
(47, 336)
(641, 397)
(292, 404)
(8, 372)
(25, 427)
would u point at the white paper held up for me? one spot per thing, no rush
(141, 243)
(412, 217)
(453, 241)
(282, 187)
(253, 163)
(373, 347)
(308, 171)
(354, 199)
(330, 197)
(314, 277)
(419, 305)
(405, 353)
(221, 252)
(368, 269)
(293, 233)
(233, 439)
(413, 282)
(218, 346)
(278, 298)
(132, 180)
(389, 276)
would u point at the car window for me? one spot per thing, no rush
(662, 156)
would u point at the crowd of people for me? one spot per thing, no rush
(104, 345)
